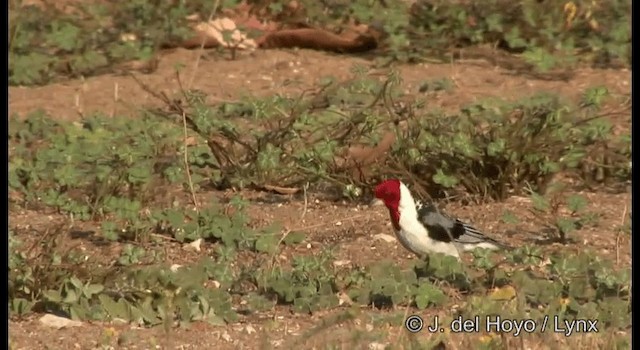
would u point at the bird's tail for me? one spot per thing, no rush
(480, 237)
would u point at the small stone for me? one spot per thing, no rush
(377, 346)
(384, 237)
(338, 263)
(193, 246)
(57, 322)
(226, 336)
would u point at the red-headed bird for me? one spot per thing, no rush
(422, 229)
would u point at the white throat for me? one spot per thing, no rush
(412, 234)
(407, 205)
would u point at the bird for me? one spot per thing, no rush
(423, 229)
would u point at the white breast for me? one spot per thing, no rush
(420, 244)
(413, 235)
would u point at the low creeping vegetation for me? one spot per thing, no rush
(130, 178)
(48, 42)
(520, 287)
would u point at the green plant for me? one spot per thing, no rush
(547, 37)
(571, 287)
(293, 140)
(549, 210)
(497, 149)
(443, 84)
(289, 142)
(308, 286)
(131, 255)
(126, 178)
(47, 43)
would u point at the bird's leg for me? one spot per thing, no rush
(426, 260)
(422, 268)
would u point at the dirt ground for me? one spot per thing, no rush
(350, 228)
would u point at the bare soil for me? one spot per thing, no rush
(350, 228)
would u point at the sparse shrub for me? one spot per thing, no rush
(490, 149)
(497, 149)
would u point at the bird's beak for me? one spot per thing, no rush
(376, 202)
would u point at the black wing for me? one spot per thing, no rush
(439, 227)
(443, 228)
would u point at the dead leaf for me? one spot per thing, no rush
(343, 298)
(338, 263)
(225, 32)
(191, 141)
(145, 66)
(318, 39)
(281, 190)
(377, 346)
(219, 32)
(504, 293)
(226, 336)
(249, 328)
(193, 246)
(357, 158)
(127, 37)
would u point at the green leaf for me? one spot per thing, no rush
(76, 282)
(77, 312)
(259, 303)
(566, 225)
(71, 296)
(445, 180)
(580, 289)
(463, 144)
(20, 306)
(327, 301)
(215, 320)
(539, 202)
(147, 311)
(576, 203)
(494, 22)
(302, 305)
(269, 158)
(64, 36)
(496, 147)
(294, 238)
(109, 231)
(595, 95)
(428, 294)
(508, 217)
(119, 309)
(267, 243)
(88, 62)
(93, 289)
(53, 295)
(541, 58)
